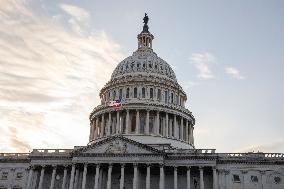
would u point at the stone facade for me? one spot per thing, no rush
(146, 143)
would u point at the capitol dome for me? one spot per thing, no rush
(151, 102)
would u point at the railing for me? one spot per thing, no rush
(252, 154)
(14, 155)
(191, 151)
(51, 151)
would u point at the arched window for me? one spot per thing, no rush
(143, 92)
(135, 92)
(151, 93)
(127, 93)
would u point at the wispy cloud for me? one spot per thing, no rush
(78, 13)
(272, 147)
(49, 78)
(202, 62)
(234, 73)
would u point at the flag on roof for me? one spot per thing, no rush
(115, 103)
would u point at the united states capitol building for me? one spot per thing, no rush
(146, 143)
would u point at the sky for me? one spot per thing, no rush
(227, 55)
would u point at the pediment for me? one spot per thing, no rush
(117, 145)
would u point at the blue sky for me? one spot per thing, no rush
(227, 55)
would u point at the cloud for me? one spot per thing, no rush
(202, 62)
(49, 77)
(78, 13)
(268, 148)
(234, 73)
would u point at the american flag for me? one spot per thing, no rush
(115, 103)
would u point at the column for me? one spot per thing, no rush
(117, 122)
(162, 177)
(147, 122)
(97, 176)
(181, 128)
(157, 122)
(167, 125)
(135, 176)
(122, 176)
(91, 131)
(262, 174)
(77, 173)
(71, 184)
(188, 178)
(102, 132)
(175, 178)
(137, 122)
(53, 177)
(95, 128)
(127, 122)
(109, 176)
(175, 126)
(201, 178)
(109, 124)
(30, 177)
(64, 177)
(186, 132)
(215, 180)
(41, 177)
(148, 176)
(84, 176)
(170, 129)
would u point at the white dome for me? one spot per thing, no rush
(144, 63)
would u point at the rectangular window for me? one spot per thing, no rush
(159, 94)
(166, 97)
(236, 178)
(19, 175)
(254, 178)
(120, 94)
(172, 98)
(4, 176)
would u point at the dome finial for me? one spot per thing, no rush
(145, 21)
(145, 37)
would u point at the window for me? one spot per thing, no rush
(143, 92)
(236, 178)
(127, 93)
(19, 175)
(113, 95)
(159, 94)
(177, 99)
(135, 92)
(133, 123)
(120, 94)
(253, 178)
(151, 93)
(166, 96)
(108, 95)
(277, 180)
(172, 98)
(4, 176)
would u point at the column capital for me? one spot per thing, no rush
(122, 165)
(188, 167)
(201, 168)
(148, 164)
(214, 168)
(135, 164)
(161, 165)
(110, 164)
(54, 166)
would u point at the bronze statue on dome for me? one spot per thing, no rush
(145, 21)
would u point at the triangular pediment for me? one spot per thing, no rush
(117, 145)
